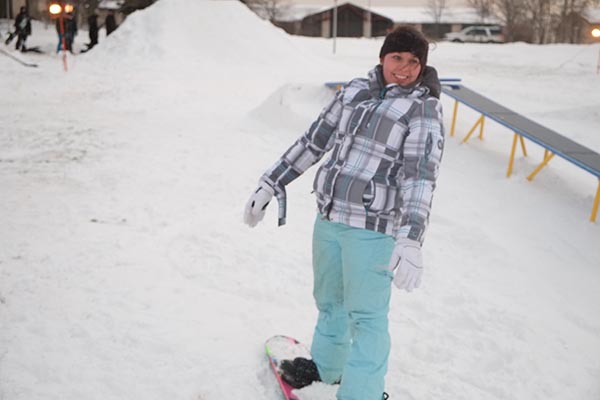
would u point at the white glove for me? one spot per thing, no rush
(407, 264)
(257, 205)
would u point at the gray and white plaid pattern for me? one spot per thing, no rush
(387, 147)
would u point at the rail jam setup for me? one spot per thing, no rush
(553, 143)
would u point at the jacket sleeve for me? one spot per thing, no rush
(309, 148)
(423, 150)
(305, 152)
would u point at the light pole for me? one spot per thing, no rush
(596, 35)
(8, 16)
(335, 20)
(369, 22)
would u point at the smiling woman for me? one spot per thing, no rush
(385, 139)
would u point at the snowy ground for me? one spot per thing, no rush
(125, 269)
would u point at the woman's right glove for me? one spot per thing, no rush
(407, 264)
(257, 205)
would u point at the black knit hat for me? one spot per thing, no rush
(406, 38)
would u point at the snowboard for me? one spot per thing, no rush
(10, 37)
(24, 63)
(281, 348)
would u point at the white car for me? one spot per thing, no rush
(477, 34)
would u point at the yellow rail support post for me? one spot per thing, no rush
(454, 118)
(479, 122)
(512, 156)
(596, 203)
(516, 137)
(547, 157)
(523, 145)
(481, 128)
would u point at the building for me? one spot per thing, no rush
(451, 19)
(38, 9)
(10, 8)
(352, 21)
(355, 21)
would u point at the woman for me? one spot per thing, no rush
(374, 198)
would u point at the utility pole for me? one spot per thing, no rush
(368, 25)
(8, 16)
(335, 21)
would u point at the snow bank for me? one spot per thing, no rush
(125, 269)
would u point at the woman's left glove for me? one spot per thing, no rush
(407, 264)
(257, 205)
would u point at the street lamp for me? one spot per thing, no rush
(55, 9)
(596, 33)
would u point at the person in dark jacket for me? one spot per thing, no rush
(70, 30)
(22, 28)
(93, 30)
(384, 136)
(110, 23)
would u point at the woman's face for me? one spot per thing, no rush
(402, 68)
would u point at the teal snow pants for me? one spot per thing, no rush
(352, 286)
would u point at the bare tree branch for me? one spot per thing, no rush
(268, 9)
(483, 8)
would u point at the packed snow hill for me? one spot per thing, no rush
(126, 271)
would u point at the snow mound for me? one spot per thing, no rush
(292, 105)
(198, 33)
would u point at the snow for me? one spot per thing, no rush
(110, 4)
(126, 271)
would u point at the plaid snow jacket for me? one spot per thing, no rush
(387, 146)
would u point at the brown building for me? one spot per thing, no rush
(352, 21)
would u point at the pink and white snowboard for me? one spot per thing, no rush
(281, 348)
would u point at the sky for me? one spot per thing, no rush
(126, 271)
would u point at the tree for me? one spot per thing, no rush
(540, 15)
(542, 21)
(268, 9)
(436, 10)
(513, 15)
(483, 8)
(569, 21)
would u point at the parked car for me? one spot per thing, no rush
(477, 34)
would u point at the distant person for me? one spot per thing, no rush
(66, 32)
(70, 30)
(59, 31)
(110, 23)
(384, 138)
(92, 21)
(22, 29)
